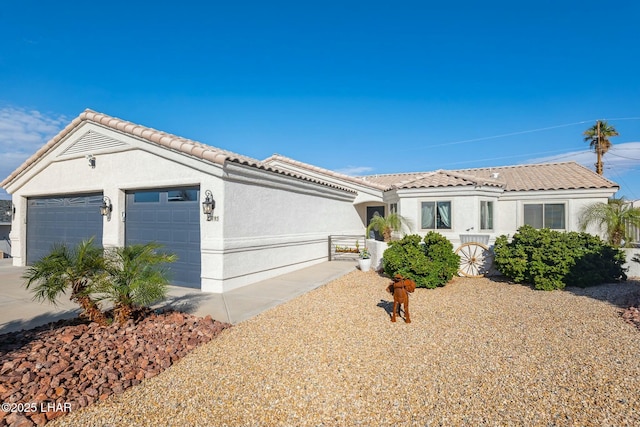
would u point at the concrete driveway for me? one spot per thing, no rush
(19, 311)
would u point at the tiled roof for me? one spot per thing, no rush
(312, 168)
(443, 178)
(545, 176)
(172, 142)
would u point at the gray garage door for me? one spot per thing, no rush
(62, 219)
(170, 217)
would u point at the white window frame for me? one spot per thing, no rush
(493, 215)
(544, 220)
(435, 202)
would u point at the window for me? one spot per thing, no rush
(182, 195)
(436, 215)
(486, 215)
(146, 196)
(545, 215)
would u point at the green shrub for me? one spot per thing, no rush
(550, 259)
(128, 277)
(430, 262)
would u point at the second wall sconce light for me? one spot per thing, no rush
(208, 205)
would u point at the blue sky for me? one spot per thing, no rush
(359, 87)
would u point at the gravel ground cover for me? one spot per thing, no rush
(477, 353)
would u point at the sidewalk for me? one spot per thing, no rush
(18, 310)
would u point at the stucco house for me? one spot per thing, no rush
(268, 217)
(264, 221)
(482, 201)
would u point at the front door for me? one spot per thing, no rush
(371, 212)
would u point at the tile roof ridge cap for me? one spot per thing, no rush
(526, 165)
(481, 180)
(355, 179)
(458, 174)
(416, 177)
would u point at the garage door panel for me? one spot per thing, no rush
(179, 236)
(180, 216)
(163, 236)
(150, 216)
(169, 217)
(62, 220)
(164, 216)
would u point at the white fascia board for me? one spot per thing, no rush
(360, 188)
(462, 191)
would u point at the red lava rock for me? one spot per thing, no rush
(67, 338)
(632, 316)
(40, 397)
(51, 415)
(17, 420)
(81, 363)
(58, 367)
(39, 418)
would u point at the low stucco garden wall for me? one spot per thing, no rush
(634, 267)
(376, 249)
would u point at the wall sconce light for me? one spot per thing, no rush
(92, 161)
(106, 207)
(208, 205)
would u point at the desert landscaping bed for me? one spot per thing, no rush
(478, 352)
(64, 366)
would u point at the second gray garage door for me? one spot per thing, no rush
(170, 217)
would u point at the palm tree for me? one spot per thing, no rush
(598, 138)
(387, 225)
(69, 268)
(614, 218)
(134, 277)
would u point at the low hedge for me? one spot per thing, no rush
(549, 259)
(430, 262)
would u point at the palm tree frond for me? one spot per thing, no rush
(613, 219)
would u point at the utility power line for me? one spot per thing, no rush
(504, 135)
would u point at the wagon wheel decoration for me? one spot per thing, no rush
(476, 259)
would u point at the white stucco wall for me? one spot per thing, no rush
(275, 224)
(633, 268)
(376, 249)
(465, 210)
(508, 208)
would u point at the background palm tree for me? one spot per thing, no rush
(598, 137)
(66, 268)
(134, 277)
(386, 225)
(614, 218)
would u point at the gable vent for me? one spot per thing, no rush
(91, 142)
